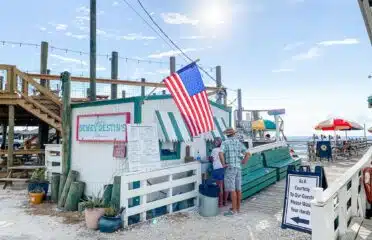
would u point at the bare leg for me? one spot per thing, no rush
(239, 200)
(220, 195)
(234, 201)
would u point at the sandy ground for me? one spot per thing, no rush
(19, 220)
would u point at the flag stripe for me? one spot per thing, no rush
(208, 107)
(180, 102)
(203, 112)
(189, 102)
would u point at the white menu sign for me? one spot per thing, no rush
(297, 205)
(143, 147)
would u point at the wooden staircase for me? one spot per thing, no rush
(41, 103)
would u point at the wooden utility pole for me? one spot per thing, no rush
(43, 127)
(143, 91)
(240, 108)
(172, 64)
(219, 85)
(93, 29)
(66, 122)
(114, 74)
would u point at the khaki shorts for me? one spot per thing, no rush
(233, 179)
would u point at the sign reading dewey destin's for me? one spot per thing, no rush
(298, 196)
(102, 127)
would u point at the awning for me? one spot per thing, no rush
(171, 127)
(220, 126)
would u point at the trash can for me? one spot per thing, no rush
(208, 200)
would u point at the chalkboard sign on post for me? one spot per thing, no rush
(298, 196)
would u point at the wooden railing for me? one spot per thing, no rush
(333, 209)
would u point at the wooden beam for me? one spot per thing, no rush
(10, 136)
(106, 80)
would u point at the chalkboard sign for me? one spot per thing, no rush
(298, 196)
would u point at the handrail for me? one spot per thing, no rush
(341, 181)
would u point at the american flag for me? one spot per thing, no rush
(189, 93)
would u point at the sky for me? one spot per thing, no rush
(311, 57)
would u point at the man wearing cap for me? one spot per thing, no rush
(231, 157)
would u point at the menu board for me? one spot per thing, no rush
(143, 147)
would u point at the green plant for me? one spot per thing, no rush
(38, 175)
(37, 190)
(93, 202)
(111, 212)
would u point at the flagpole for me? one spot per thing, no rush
(153, 90)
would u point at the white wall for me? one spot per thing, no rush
(94, 161)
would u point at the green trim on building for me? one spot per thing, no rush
(219, 128)
(103, 102)
(162, 125)
(175, 127)
(230, 119)
(220, 106)
(177, 156)
(224, 123)
(138, 110)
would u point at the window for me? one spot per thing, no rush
(170, 150)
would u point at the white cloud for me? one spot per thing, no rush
(135, 36)
(101, 32)
(77, 36)
(42, 29)
(115, 3)
(292, 46)
(83, 9)
(193, 37)
(178, 18)
(83, 18)
(61, 27)
(172, 53)
(283, 70)
(163, 71)
(346, 41)
(66, 59)
(152, 13)
(311, 53)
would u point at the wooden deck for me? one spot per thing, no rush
(267, 206)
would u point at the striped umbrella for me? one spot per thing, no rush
(335, 124)
(263, 125)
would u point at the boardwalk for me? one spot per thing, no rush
(260, 218)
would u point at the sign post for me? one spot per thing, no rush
(297, 201)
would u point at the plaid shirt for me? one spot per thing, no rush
(233, 150)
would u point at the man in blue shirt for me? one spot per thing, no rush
(231, 154)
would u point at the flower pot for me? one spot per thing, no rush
(109, 224)
(39, 184)
(92, 216)
(36, 198)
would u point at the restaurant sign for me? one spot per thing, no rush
(102, 127)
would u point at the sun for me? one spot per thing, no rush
(214, 15)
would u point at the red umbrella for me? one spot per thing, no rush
(335, 124)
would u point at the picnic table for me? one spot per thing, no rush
(9, 179)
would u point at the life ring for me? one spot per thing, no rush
(367, 183)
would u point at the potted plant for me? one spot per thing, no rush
(36, 195)
(94, 209)
(111, 220)
(38, 180)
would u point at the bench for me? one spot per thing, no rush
(9, 179)
(255, 176)
(280, 159)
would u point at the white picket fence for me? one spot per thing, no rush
(332, 209)
(167, 185)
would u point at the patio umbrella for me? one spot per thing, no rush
(263, 125)
(335, 124)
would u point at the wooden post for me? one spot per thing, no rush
(48, 82)
(219, 85)
(1, 82)
(143, 88)
(93, 29)
(74, 195)
(240, 109)
(172, 64)
(115, 197)
(10, 136)
(114, 74)
(72, 176)
(43, 61)
(66, 122)
(123, 94)
(55, 187)
(88, 93)
(43, 127)
(107, 194)
(62, 181)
